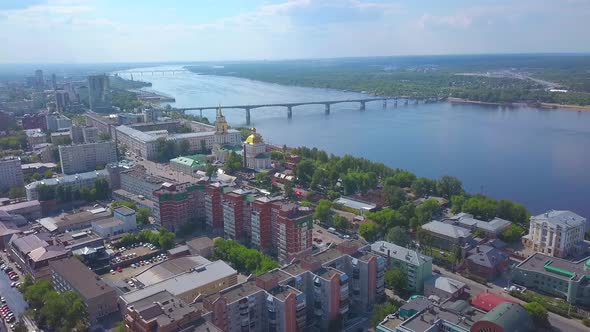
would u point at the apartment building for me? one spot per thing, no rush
(69, 274)
(556, 233)
(34, 121)
(137, 181)
(82, 180)
(11, 173)
(81, 158)
(417, 267)
(180, 204)
(447, 236)
(555, 276)
(236, 214)
(261, 222)
(294, 230)
(57, 122)
(213, 206)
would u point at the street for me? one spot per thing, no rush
(558, 322)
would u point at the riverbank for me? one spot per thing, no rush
(535, 105)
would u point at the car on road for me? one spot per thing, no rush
(119, 269)
(13, 284)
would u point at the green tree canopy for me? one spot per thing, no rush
(233, 163)
(142, 216)
(368, 231)
(323, 211)
(396, 279)
(398, 235)
(538, 313)
(380, 311)
(448, 186)
(340, 222)
(424, 187)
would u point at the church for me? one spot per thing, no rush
(254, 152)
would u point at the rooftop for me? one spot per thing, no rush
(451, 231)
(488, 301)
(278, 274)
(453, 312)
(85, 282)
(555, 267)
(69, 178)
(125, 211)
(445, 284)
(199, 243)
(564, 219)
(487, 256)
(163, 307)
(355, 203)
(170, 268)
(22, 205)
(400, 253)
(237, 292)
(185, 282)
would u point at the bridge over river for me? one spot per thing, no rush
(327, 104)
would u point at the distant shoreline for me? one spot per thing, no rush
(537, 105)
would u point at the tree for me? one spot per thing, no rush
(403, 179)
(102, 188)
(277, 155)
(210, 170)
(396, 279)
(289, 192)
(102, 136)
(36, 177)
(184, 147)
(368, 231)
(424, 239)
(264, 180)
(340, 222)
(305, 170)
(538, 313)
(166, 239)
(512, 233)
(457, 203)
(16, 192)
(480, 206)
(35, 293)
(143, 215)
(394, 195)
(121, 327)
(424, 187)
(448, 186)
(233, 163)
(380, 311)
(48, 174)
(386, 218)
(398, 235)
(323, 211)
(20, 326)
(424, 212)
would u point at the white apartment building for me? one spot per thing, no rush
(86, 157)
(82, 180)
(11, 173)
(556, 233)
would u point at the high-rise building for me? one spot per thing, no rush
(58, 122)
(77, 134)
(293, 230)
(53, 82)
(261, 223)
(62, 100)
(34, 121)
(213, 207)
(11, 173)
(39, 79)
(236, 215)
(99, 93)
(180, 204)
(86, 157)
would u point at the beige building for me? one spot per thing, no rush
(81, 158)
(70, 274)
(255, 155)
(11, 173)
(556, 233)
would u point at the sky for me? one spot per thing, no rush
(90, 31)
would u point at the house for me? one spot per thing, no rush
(448, 237)
(443, 287)
(487, 262)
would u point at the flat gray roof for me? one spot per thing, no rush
(355, 204)
(451, 231)
(538, 261)
(86, 282)
(563, 218)
(184, 282)
(388, 249)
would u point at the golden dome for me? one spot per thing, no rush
(254, 138)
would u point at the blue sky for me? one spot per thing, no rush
(33, 31)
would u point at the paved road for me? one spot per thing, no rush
(14, 298)
(559, 323)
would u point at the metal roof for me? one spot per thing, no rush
(400, 253)
(451, 231)
(563, 218)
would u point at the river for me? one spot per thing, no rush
(537, 157)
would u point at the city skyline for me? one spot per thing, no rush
(82, 31)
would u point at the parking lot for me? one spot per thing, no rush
(13, 297)
(140, 259)
(322, 237)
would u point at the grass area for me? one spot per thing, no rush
(552, 304)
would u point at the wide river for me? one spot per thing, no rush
(540, 158)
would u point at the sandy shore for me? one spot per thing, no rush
(538, 105)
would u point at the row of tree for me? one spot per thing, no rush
(64, 194)
(243, 258)
(162, 238)
(60, 311)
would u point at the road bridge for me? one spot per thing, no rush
(327, 104)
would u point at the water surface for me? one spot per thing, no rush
(537, 157)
